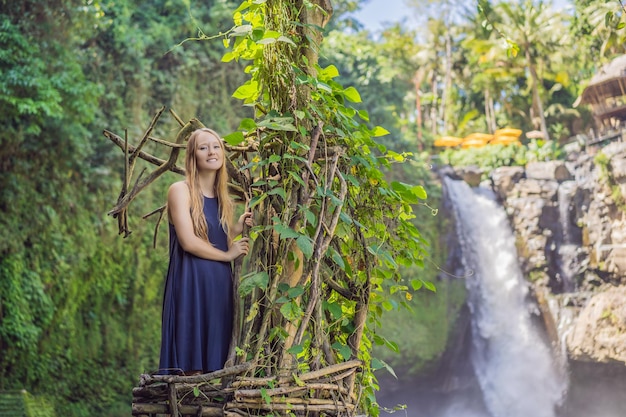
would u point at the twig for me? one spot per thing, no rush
(180, 138)
(116, 139)
(233, 370)
(133, 156)
(180, 121)
(173, 399)
(167, 143)
(161, 210)
(355, 363)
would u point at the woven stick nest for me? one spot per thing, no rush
(232, 392)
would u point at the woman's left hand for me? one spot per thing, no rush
(246, 218)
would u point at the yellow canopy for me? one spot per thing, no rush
(473, 143)
(508, 131)
(485, 137)
(504, 140)
(504, 136)
(448, 141)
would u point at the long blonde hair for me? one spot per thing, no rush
(200, 226)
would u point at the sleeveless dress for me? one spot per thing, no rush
(197, 305)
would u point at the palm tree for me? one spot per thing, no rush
(540, 34)
(606, 22)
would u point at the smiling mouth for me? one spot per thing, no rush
(212, 160)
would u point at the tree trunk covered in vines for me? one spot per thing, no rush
(330, 233)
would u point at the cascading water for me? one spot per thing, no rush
(514, 365)
(567, 250)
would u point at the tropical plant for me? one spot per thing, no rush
(539, 33)
(332, 231)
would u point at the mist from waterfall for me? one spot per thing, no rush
(513, 363)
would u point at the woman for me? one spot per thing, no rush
(197, 305)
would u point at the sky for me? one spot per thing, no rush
(376, 13)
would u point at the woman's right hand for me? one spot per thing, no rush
(239, 248)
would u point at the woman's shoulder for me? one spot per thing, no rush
(178, 189)
(179, 186)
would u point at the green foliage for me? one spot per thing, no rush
(24, 404)
(368, 230)
(603, 161)
(543, 150)
(80, 307)
(382, 71)
(486, 158)
(422, 331)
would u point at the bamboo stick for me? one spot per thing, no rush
(327, 387)
(342, 375)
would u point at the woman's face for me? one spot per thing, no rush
(209, 152)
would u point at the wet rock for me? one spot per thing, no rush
(504, 180)
(471, 175)
(617, 166)
(548, 170)
(592, 216)
(599, 332)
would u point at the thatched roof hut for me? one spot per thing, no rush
(606, 93)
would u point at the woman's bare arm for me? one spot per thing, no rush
(179, 205)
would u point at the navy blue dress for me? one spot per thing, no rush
(197, 305)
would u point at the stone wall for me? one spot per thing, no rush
(570, 222)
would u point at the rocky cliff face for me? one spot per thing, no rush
(570, 222)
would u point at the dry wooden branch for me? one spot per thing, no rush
(252, 382)
(355, 363)
(338, 377)
(167, 143)
(322, 243)
(344, 292)
(116, 139)
(173, 399)
(133, 156)
(327, 387)
(180, 121)
(182, 136)
(295, 407)
(233, 370)
(271, 296)
(291, 400)
(258, 393)
(186, 410)
(161, 211)
(161, 390)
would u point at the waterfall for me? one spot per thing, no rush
(567, 250)
(513, 363)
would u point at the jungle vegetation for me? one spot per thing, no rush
(80, 306)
